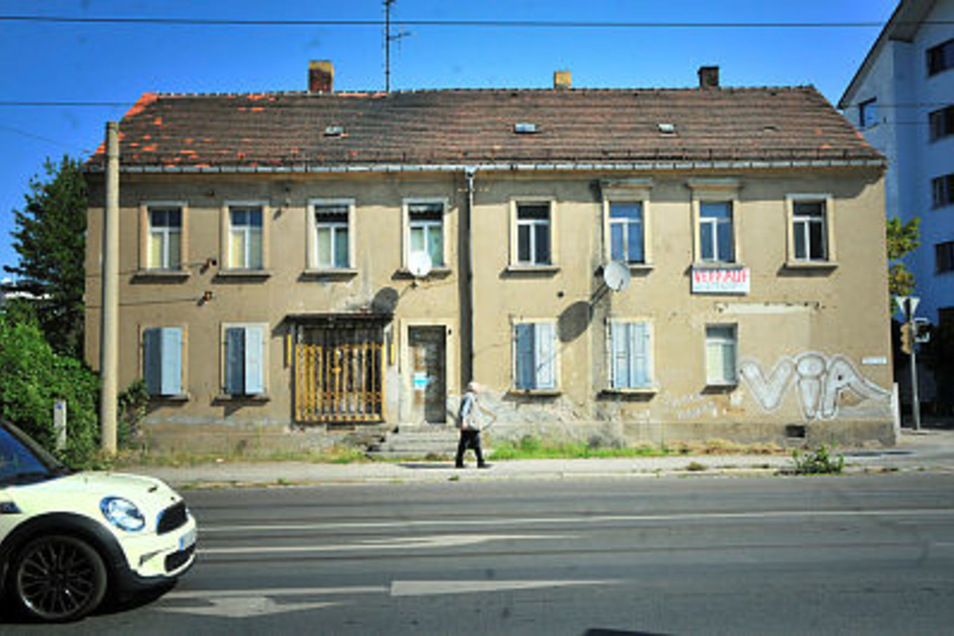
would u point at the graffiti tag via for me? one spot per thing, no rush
(819, 380)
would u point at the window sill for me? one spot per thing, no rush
(228, 397)
(260, 274)
(636, 268)
(535, 392)
(162, 275)
(717, 265)
(811, 265)
(722, 386)
(532, 269)
(179, 397)
(338, 273)
(436, 272)
(646, 390)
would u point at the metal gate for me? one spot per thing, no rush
(339, 382)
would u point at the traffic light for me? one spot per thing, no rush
(907, 340)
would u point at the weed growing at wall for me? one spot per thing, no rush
(820, 461)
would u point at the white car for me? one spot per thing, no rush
(69, 538)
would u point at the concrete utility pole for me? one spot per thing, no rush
(109, 333)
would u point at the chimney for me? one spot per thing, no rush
(708, 77)
(561, 80)
(321, 76)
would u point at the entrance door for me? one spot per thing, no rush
(428, 379)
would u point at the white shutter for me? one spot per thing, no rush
(545, 356)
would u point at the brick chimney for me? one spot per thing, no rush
(708, 77)
(562, 79)
(321, 76)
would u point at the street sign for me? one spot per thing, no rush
(908, 305)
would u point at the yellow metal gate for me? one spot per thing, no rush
(339, 383)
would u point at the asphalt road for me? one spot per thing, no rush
(862, 554)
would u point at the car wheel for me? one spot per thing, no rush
(59, 578)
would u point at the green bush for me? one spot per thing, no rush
(33, 377)
(817, 462)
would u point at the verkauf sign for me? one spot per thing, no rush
(720, 280)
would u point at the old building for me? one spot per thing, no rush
(626, 265)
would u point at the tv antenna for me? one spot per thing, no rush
(388, 38)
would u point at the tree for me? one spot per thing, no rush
(903, 238)
(50, 238)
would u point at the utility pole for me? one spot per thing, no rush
(109, 317)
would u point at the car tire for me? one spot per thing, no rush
(58, 578)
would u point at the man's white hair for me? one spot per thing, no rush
(473, 386)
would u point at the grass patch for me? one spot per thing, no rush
(332, 455)
(530, 447)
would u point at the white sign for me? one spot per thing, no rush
(720, 280)
(877, 360)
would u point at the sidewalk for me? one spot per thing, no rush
(929, 450)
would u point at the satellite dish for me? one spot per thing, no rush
(616, 276)
(419, 264)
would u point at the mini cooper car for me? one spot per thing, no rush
(68, 538)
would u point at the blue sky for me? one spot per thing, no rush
(72, 62)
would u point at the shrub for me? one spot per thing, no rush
(817, 462)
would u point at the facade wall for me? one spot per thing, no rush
(813, 353)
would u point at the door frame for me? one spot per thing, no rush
(406, 363)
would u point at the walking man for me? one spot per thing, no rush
(469, 426)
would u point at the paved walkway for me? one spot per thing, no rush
(929, 450)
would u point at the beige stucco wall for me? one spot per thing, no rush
(832, 312)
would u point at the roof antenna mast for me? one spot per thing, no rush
(388, 38)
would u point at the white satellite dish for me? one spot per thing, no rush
(616, 276)
(419, 264)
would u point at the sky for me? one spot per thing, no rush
(76, 76)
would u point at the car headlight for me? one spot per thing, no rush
(123, 514)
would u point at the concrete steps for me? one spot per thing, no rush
(419, 442)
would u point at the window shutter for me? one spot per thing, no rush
(524, 352)
(639, 354)
(620, 364)
(235, 360)
(152, 360)
(171, 354)
(254, 360)
(545, 365)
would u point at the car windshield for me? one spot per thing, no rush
(23, 461)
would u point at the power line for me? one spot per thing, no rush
(55, 142)
(58, 104)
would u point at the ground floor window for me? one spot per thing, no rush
(162, 360)
(721, 354)
(534, 356)
(245, 359)
(630, 355)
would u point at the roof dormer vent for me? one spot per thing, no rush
(334, 131)
(666, 128)
(525, 128)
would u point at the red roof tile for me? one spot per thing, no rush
(477, 127)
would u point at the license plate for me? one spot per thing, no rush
(187, 540)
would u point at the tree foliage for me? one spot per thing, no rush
(50, 238)
(902, 239)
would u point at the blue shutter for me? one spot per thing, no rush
(545, 357)
(171, 352)
(524, 352)
(152, 360)
(235, 360)
(619, 356)
(254, 360)
(639, 352)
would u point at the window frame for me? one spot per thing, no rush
(716, 190)
(624, 192)
(407, 226)
(224, 360)
(942, 191)
(733, 342)
(868, 113)
(226, 236)
(941, 123)
(145, 335)
(948, 247)
(515, 205)
(828, 221)
(538, 349)
(145, 233)
(312, 228)
(612, 384)
(939, 52)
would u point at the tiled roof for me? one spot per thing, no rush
(477, 127)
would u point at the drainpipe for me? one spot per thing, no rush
(109, 334)
(467, 281)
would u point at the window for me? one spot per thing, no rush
(534, 356)
(332, 236)
(808, 230)
(942, 190)
(940, 57)
(721, 346)
(244, 359)
(868, 113)
(630, 355)
(425, 230)
(941, 123)
(627, 232)
(944, 257)
(245, 245)
(716, 234)
(164, 242)
(162, 360)
(533, 234)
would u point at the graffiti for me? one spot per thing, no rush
(820, 382)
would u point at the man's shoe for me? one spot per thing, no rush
(483, 465)
(459, 466)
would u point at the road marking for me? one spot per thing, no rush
(244, 607)
(278, 591)
(434, 588)
(677, 517)
(396, 543)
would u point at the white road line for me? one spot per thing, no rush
(434, 588)
(396, 543)
(276, 591)
(692, 516)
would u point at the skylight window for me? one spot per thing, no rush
(667, 128)
(334, 131)
(525, 128)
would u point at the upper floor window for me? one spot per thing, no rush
(162, 360)
(808, 230)
(425, 229)
(630, 355)
(721, 354)
(941, 123)
(716, 234)
(868, 113)
(627, 232)
(245, 237)
(533, 234)
(244, 359)
(332, 235)
(940, 57)
(534, 348)
(164, 241)
(944, 257)
(942, 190)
